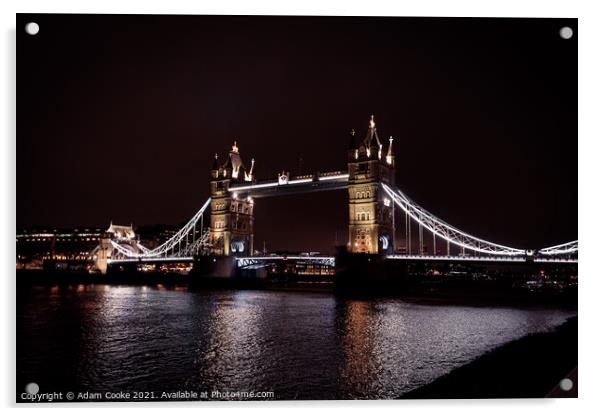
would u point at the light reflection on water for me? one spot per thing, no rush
(299, 345)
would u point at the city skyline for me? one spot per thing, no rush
(133, 138)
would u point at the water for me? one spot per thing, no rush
(299, 345)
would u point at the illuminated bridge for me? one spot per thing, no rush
(223, 226)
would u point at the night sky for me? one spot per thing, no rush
(118, 118)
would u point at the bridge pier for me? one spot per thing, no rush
(365, 273)
(212, 267)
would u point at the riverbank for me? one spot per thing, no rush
(530, 367)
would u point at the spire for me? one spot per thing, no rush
(390, 151)
(233, 163)
(249, 175)
(372, 139)
(352, 139)
(229, 164)
(215, 164)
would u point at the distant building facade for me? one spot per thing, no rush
(36, 245)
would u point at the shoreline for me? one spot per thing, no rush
(529, 367)
(470, 294)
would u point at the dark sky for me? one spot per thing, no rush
(119, 117)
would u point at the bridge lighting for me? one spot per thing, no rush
(446, 231)
(566, 248)
(294, 181)
(133, 251)
(390, 152)
(261, 185)
(334, 177)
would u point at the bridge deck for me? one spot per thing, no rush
(150, 260)
(296, 185)
(478, 259)
(330, 259)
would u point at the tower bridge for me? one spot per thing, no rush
(228, 228)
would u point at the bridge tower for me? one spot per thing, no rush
(371, 211)
(231, 228)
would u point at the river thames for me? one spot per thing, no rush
(298, 345)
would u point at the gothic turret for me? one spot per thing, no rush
(352, 143)
(249, 176)
(352, 151)
(215, 168)
(390, 157)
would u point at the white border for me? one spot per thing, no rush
(590, 136)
